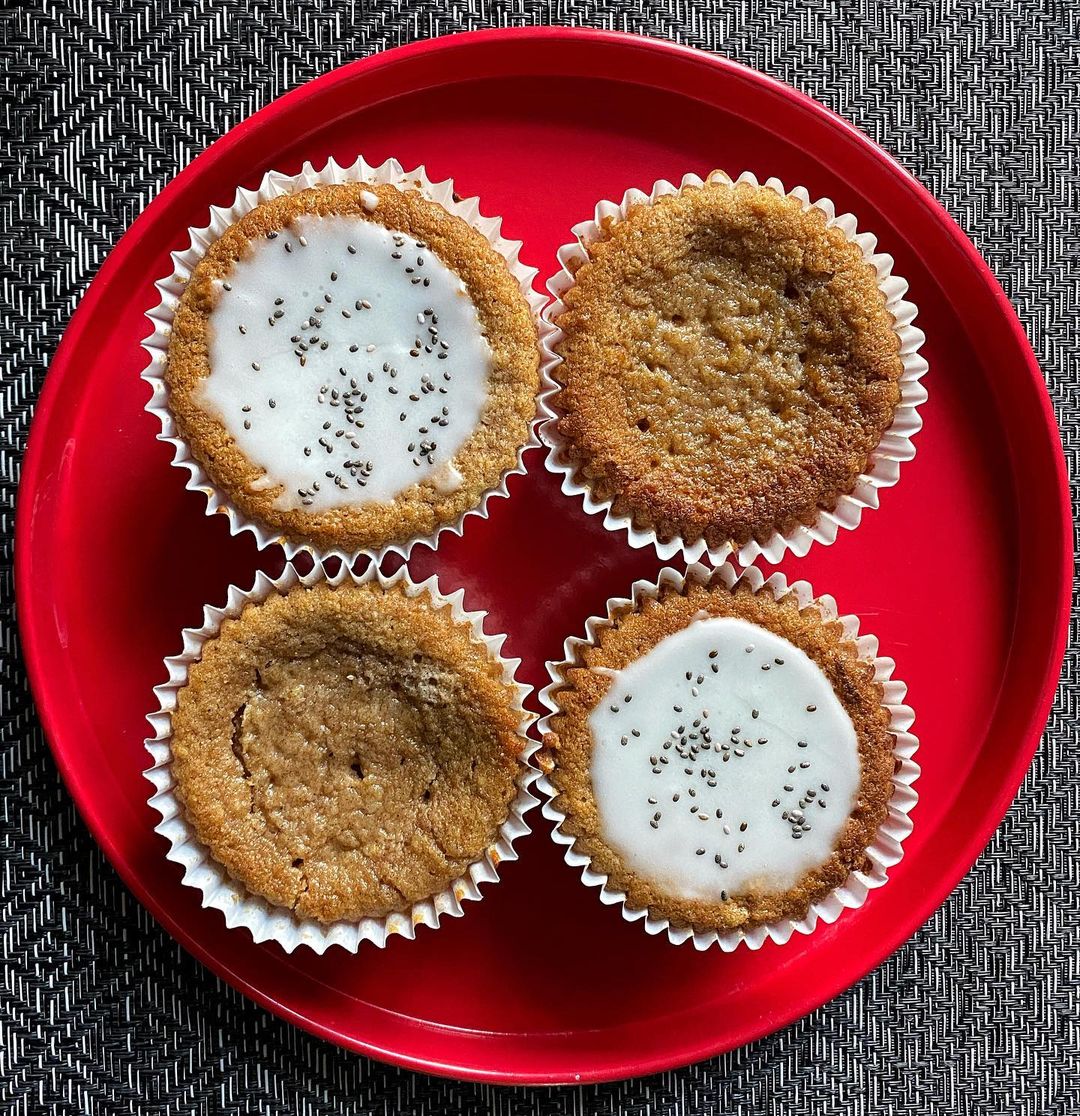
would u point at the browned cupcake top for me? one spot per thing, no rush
(728, 366)
(723, 757)
(353, 365)
(346, 752)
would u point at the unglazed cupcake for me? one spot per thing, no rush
(723, 757)
(346, 751)
(352, 365)
(730, 361)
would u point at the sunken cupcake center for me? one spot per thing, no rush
(349, 751)
(348, 363)
(723, 762)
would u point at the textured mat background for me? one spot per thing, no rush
(99, 1011)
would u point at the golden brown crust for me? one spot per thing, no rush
(568, 746)
(489, 452)
(728, 365)
(346, 752)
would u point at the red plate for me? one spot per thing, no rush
(963, 573)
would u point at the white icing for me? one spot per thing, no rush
(446, 478)
(369, 200)
(749, 776)
(361, 316)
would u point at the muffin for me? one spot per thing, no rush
(728, 365)
(352, 365)
(722, 755)
(348, 751)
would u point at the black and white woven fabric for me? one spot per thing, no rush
(104, 101)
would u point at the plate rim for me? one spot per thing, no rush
(34, 464)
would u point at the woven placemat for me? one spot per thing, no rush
(105, 100)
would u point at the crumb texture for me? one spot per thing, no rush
(729, 365)
(345, 752)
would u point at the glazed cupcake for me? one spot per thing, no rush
(724, 758)
(729, 363)
(353, 365)
(347, 757)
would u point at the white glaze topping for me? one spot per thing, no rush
(722, 760)
(340, 347)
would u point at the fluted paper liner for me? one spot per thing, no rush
(241, 907)
(883, 471)
(886, 849)
(273, 185)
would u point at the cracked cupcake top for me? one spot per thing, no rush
(728, 365)
(353, 365)
(722, 756)
(346, 752)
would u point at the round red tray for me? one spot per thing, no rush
(963, 573)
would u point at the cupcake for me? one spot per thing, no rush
(353, 365)
(731, 358)
(722, 757)
(347, 751)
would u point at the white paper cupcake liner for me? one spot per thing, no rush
(171, 288)
(895, 446)
(241, 907)
(886, 849)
